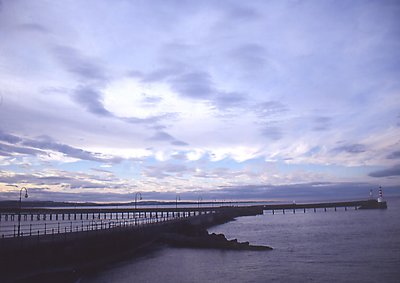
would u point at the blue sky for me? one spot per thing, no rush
(229, 99)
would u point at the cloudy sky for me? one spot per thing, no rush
(218, 99)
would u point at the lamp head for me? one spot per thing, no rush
(26, 194)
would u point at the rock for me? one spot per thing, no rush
(210, 241)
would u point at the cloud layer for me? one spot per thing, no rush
(184, 96)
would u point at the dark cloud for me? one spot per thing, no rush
(309, 191)
(9, 150)
(16, 145)
(351, 148)
(90, 98)
(230, 100)
(394, 155)
(322, 123)
(392, 171)
(163, 136)
(76, 63)
(69, 150)
(62, 178)
(193, 85)
(179, 143)
(198, 85)
(272, 132)
(9, 138)
(101, 170)
(89, 72)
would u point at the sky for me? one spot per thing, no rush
(101, 99)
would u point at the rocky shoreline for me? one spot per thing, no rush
(191, 236)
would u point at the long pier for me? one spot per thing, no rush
(28, 222)
(360, 204)
(86, 237)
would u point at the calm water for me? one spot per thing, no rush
(341, 246)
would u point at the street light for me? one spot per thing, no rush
(198, 201)
(176, 201)
(136, 198)
(20, 207)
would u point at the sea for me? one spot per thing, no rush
(331, 246)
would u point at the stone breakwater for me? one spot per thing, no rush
(66, 257)
(209, 241)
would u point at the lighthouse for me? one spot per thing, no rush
(380, 198)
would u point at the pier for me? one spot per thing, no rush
(38, 222)
(43, 237)
(361, 204)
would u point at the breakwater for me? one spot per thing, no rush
(83, 249)
(359, 204)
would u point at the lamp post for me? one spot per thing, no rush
(198, 201)
(20, 208)
(176, 201)
(136, 198)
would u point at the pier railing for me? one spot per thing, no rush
(42, 222)
(15, 223)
